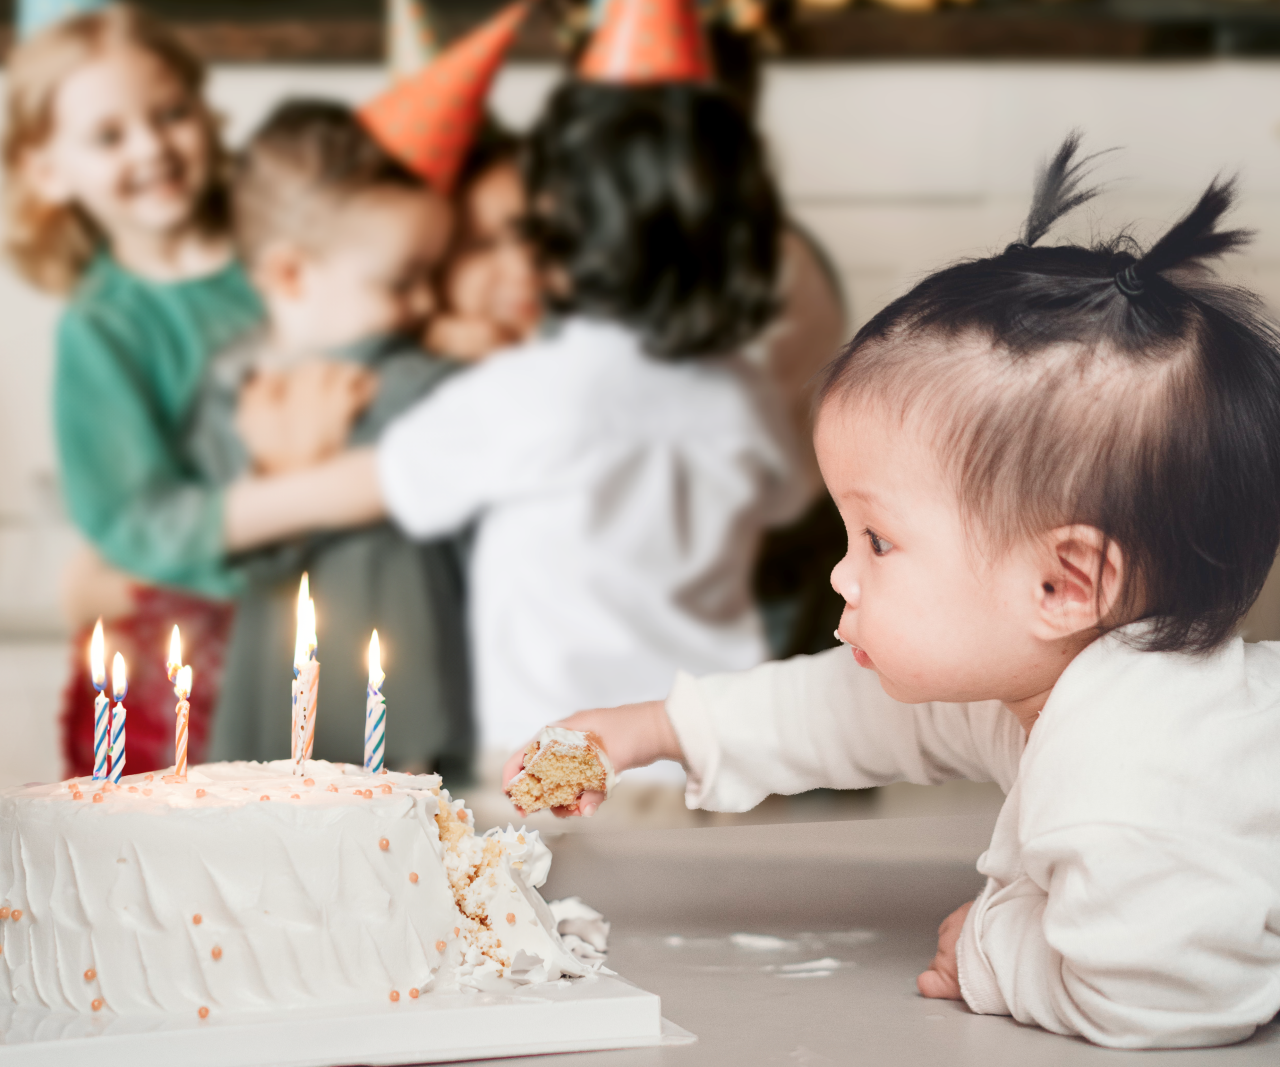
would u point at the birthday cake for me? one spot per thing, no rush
(248, 887)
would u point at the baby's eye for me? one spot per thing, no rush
(174, 114)
(878, 544)
(108, 135)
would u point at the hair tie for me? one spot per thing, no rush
(1128, 282)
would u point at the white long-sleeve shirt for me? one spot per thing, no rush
(619, 502)
(1133, 879)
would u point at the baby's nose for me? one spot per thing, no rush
(845, 584)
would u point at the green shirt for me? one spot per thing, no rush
(131, 355)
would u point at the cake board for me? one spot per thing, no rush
(588, 1014)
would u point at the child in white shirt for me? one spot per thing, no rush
(1059, 468)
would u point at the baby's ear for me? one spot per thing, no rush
(1080, 576)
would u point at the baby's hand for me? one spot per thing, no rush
(942, 980)
(633, 735)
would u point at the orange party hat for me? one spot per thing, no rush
(640, 42)
(428, 121)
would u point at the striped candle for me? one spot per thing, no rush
(119, 689)
(183, 712)
(101, 706)
(306, 685)
(375, 712)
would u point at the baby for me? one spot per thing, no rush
(1059, 469)
(340, 240)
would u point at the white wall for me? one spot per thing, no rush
(897, 166)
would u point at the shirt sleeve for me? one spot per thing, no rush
(823, 721)
(1130, 938)
(123, 475)
(479, 439)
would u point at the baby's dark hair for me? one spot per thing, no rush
(656, 206)
(306, 158)
(1128, 391)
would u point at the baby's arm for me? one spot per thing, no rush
(1128, 936)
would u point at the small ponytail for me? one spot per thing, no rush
(1057, 191)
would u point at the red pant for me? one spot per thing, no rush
(142, 637)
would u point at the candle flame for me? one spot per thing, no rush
(183, 684)
(306, 639)
(119, 678)
(175, 653)
(97, 658)
(376, 677)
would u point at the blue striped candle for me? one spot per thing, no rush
(375, 712)
(119, 689)
(101, 705)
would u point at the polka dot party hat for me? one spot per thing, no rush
(428, 121)
(641, 42)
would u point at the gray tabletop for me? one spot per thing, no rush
(833, 921)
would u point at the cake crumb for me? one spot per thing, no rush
(556, 773)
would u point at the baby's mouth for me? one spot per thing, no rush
(860, 657)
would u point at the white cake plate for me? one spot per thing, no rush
(593, 1013)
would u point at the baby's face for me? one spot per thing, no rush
(130, 145)
(492, 275)
(925, 606)
(372, 276)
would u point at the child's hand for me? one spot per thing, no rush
(942, 980)
(633, 735)
(297, 419)
(463, 339)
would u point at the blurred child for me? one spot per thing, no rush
(490, 285)
(621, 469)
(115, 196)
(341, 241)
(1059, 469)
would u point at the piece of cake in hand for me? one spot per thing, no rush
(559, 766)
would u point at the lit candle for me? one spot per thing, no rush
(175, 655)
(306, 673)
(101, 705)
(119, 688)
(182, 687)
(375, 712)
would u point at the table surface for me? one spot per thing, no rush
(867, 896)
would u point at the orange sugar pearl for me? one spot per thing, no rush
(456, 931)
(386, 789)
(133, 789)
(149, 778)
(146, 792)
(308, 781)
(200, 793)
(97, 798)
(294, 796)
(77, 795)
(17, 914)
(264, 797)
(395, 995)
(383, 771)
(216, 953)
(96, 1005)
(332, 788)
(90, 975)
(413, 877)
(440, 946)
(4, 914)
(511, 918)
(197, 919)
(203, 1012)
(414, 991)
(384, 844)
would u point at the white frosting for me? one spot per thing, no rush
(578, 739)
(295, 892)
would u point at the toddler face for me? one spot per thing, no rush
(492, 276)
(130, 144)
(372, 274)
(927, 606)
